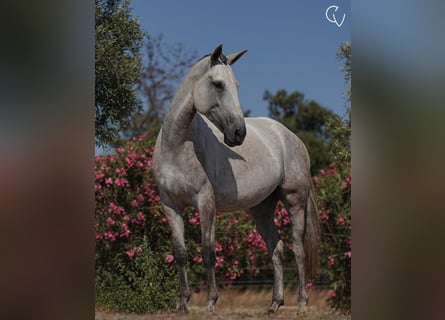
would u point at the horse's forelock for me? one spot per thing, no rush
(221, 60)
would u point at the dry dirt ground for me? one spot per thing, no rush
(234, 304)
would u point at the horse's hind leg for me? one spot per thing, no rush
(263, 215)
(295, 203)
(177, 227)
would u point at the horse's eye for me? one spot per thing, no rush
(218, 85)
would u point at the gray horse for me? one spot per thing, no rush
(209, 157)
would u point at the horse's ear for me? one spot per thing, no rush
(231, 58)
(216, 54)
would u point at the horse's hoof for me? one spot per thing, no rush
(302, 309)
(183, 308)
(275, 306)
(210, 309)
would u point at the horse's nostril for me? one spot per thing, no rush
(240, 134)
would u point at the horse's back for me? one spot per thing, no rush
(279, 138)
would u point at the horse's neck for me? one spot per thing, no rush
(177, 121)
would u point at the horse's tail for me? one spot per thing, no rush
(312, 236)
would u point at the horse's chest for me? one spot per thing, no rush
(180, 180)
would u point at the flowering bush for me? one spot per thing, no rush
(129, 234)
(135, 267)
(333, 194)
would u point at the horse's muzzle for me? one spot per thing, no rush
(240, 134)
(237, 138)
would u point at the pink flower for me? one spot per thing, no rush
(195, 220)
(121, 171)
(130, 160)
(110, 221)
(169, 258)
(125, 230)
(111, 236)
(308, 285)
(120, 149)
(219, 261)
(348, 254)
(136, 250)
(331, 293)
(331, 261)
(108, 182)
(134, 203)
(121, 182)
(348, 178)
(277, 223)
(99, 175)
(341, 220)
(197, 259)
(140, 216)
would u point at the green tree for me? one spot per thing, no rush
(333, 197)
(340, 128)
(307, 119)
(117, 68)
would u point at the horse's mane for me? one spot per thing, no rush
(222, 58)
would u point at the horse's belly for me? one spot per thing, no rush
(247, 191)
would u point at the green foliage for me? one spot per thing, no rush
(131, 240)
(340, 148)
(139, 285)
(117, 68)
(344, 54)
(333, 196)
(340, 129)
(306, 119)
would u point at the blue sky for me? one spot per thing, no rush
(291, 44)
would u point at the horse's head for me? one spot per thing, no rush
(216, 96)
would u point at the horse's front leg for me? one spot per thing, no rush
(176, 223)
(206, 208)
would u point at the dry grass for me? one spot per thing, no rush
(234, 304)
